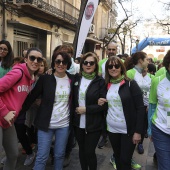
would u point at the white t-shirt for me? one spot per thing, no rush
(163, 106)
(82, 97)
(115, 117)
(74, 68)
(60, 113)
(146, 89)
(144, 83)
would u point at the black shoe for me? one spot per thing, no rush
(146, 135)
(140, 148)
(155, 158)
(102, 143)
(66, 161)
(52, 161)
(52, 155)
(74, 143)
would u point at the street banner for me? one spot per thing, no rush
(88, 15)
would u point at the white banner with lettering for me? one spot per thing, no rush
(88, 15)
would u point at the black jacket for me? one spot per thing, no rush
(94, 112)
(133, 106)
(45, 87)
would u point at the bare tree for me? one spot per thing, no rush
(127, 32)
(164, 22)
(121, 24)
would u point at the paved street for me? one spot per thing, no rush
(103, 155)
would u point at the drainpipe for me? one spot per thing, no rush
(4, 35)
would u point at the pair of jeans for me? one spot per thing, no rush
(87, 145)
(123, 148)
(161, 142)
(8, 139)
(44, 144)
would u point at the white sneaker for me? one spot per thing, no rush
(3, 160)
(29, 159)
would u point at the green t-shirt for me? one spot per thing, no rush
(102, 64)
(160, 95)
(160, 72)
(4, 71)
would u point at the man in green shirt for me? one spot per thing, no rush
(111, 51)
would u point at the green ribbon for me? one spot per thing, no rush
(88, 76)
(115, 81)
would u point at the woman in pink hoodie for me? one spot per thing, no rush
(14, 88)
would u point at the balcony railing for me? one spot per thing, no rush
(107, 3)
(114, 12)
(60, 9)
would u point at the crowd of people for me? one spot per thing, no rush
(123, 99)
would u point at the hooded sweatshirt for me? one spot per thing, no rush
(14, 88)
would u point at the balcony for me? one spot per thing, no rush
(107, 4)
(114, 12)
(60, 12)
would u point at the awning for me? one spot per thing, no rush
(17, 23)
(94, 40)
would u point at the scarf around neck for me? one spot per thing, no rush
(88, 76)
(139, 69)
(117, 80)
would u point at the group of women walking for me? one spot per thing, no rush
(80, 101)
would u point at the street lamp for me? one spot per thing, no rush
(124, 33)
(137, 42)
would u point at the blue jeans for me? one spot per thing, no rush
(44, 144)
(161, 142)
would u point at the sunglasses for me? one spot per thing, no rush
(111, 49)
(33, 58)
(58, 62)
(89, 62)
(116, 66)
(3, 49)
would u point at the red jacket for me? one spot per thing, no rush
(14, 88)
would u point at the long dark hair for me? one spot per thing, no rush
(7, 61)
(33, 49)
(166, 60)
(133, 60)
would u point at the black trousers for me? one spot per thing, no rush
(32, 134)
(87, 145)
(123, 148)
(145, 126)
(70, 142)
(104, 130)
(23, 137)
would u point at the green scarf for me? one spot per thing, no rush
(88, 76)
(117, 80)
(168, 75)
